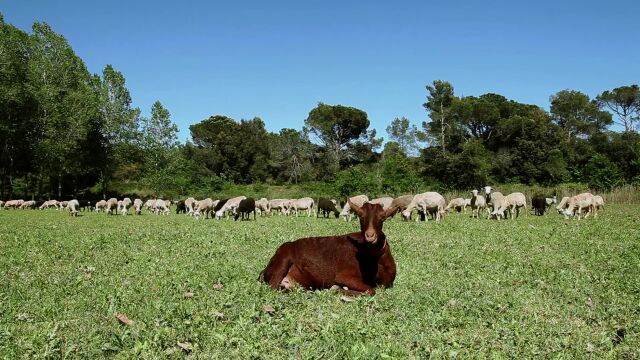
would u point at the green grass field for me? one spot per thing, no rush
(465, 288)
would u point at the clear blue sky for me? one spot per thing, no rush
(278, 59)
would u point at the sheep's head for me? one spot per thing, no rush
(488, 190)
(474, 192)
(371, 218)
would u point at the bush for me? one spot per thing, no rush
(600, 173)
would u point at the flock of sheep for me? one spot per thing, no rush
(428, 204)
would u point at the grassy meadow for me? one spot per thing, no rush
(535, 287)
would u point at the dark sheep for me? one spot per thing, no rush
(539, 204)
(220, 205)
(327, 206)
(354, 263)
(246, 207)
(181, 208)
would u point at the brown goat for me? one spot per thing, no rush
(356, 262)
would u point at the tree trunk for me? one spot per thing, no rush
(442, 127)
(59, 185)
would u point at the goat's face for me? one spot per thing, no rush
(371, 218)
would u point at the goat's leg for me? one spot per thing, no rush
(354, 285)
(276, 270)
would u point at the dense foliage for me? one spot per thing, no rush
(66, 132)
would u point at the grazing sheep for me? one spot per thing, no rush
(493, 199)
(205, 206)
(598, 202)
(262, 206)
(219, 205)
(62, 205)
(287, 207)
(358, 200)
(162, 206)
(355, 263)
(230, 205)
(101, 205)
(478, 204)
(13, 204)
(512, 203)
(28, 205)
(327, 206)
(49, 203)
(137, 206)
(278, 205)
(189, 205)
(73, 206)
(539, 204)
(246, 207)
(430, 203)
(456, 204)
(384, 201)
(150, 205)
(579, 202)
(550, 201)
(124, 206)
(305, 203)
(401, 203)
(563, 204)
(112, 205)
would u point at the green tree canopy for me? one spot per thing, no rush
(623, 101)
(577, 115)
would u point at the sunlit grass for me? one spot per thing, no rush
(465, 287)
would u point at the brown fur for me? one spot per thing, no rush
(356, 262)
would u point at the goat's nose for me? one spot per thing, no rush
(370, 235)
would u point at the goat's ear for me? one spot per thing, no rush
(358, 210)
(389, 212)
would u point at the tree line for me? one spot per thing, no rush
(67, 132)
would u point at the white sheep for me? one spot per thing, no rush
(579, 202)
(384, 201)
(262, 206)
(429, 202)
(512, 203)
(137, 206)
(598, 202)
(563, 204)
(456, 204)
(189, 205)
(231, 205)
(205, 206)
(478, 204)
(302, 204)
(358, 200)
(111, 206)
(73, 206)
